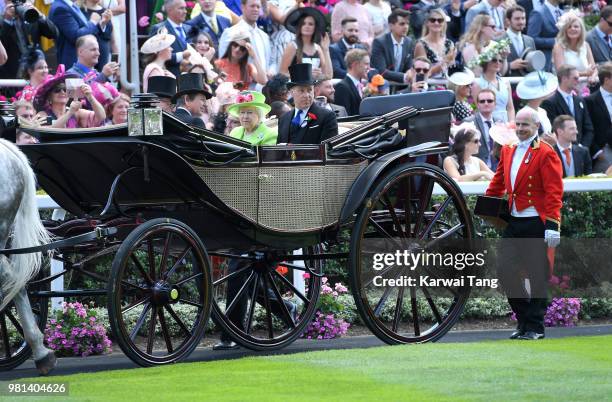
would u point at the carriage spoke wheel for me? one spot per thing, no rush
(403, 213)
(261, 304)
(160, 292)
(13, 348)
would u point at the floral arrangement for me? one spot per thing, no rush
(562, 312)
(489, 52)
(75, 331)
(326, 325)
(569, 16)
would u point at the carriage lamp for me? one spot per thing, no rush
(144, 117)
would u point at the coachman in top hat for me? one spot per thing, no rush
(307, 123)
(190, 98)
(531, 174)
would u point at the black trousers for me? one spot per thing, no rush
(525, 259)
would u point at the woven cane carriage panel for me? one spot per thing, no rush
(236, 187)
(303, 198)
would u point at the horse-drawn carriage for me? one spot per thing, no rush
(165, 199)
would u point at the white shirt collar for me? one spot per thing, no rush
(347, 45)
(562, 148)
(512, 34)
(605, 93)
(355, 80)
(528, 141)
(174, 24)
(207, 18)
(564, 94)
(396, 42)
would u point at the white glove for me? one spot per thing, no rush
(552, 238)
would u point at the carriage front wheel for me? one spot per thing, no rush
(413, 206)
(159, 295)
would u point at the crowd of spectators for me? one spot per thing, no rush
(356, 49)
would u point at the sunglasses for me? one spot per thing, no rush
(609, 22)
(239, 46)
(421, 70)
(497, 61)
(438, 20)
(486, 101)
(491, 26)
(59, 88)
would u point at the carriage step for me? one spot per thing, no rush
(69, 293)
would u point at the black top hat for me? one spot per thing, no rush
(294, 17)
(164, 87)
(301, 74)
(191, 83)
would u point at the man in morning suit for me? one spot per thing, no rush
(515, 18)
(350, 40)
(600, 108)
(542, 27)
(190, 99)
(600, 37)
(575, 159)
(563, 102)
(349, 91)
(176, 11)
(392, 52)
(530, 173)
(72, 24)
(307, 123)
(483, 119)
(209, 22)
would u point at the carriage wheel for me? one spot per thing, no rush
(258, 304)
(13, 348)
(402, 212)
(159, 293)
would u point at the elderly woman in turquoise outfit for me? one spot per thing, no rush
(250, 108)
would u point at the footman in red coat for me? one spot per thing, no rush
(530, 173)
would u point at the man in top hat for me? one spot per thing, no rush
(165, 88)
(190, 99)
(530, 173)
(307, 123)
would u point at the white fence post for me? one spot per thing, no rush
(56, 267)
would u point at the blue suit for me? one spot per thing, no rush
(199, 24)
(178, 45)
(71, 26)
(543, 29)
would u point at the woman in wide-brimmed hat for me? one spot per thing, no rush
(52, 98)
(311, 43)
(459, 81)
(251, 108)
(158, 50)
(235, 62)
(534, 88)
(36, 72)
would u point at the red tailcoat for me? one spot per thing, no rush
(538, 183)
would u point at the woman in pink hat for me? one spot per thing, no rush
(51, 100)
(159, 51)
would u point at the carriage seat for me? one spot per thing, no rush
(49, 134)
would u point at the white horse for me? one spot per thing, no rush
(18, 211)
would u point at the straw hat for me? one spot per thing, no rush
(249, 98)
(538, 84)
(461, 77)
(503, 134)
(158, 42)
(239, 34)
(294, 18)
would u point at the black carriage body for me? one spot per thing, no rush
(279, 197)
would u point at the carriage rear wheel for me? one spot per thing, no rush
(13, 348)
(159, 294)
(413, 207)
(265, 305)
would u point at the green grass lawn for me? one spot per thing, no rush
(573, 369)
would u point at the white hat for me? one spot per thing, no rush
(460, 78)
(538, 84)
(536, 60)
(503, 134)
(239, 34)
(158, 42)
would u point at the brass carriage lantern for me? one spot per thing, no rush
(144, 116)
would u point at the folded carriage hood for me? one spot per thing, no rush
(78, 174)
